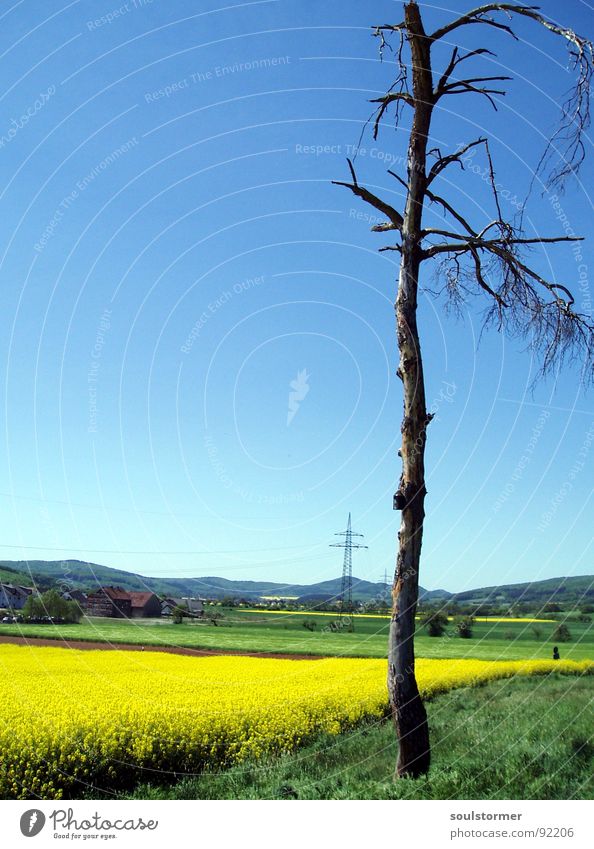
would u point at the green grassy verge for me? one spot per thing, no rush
(286, 634)
(513, 739)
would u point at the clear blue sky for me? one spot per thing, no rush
(173, 257)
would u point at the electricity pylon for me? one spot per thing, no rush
(345, 602)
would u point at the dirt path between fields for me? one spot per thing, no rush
(88, 645)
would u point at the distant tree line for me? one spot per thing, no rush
(50, 604)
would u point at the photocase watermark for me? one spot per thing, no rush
(119, 12)
(30, 112)
(368, 217)
(485, 174)
(447, 393)
(81, 185)
(65, 819)
(218, 72)
(382, 599)
(103, 327)
(64, 824)
(350, 150)
(32, 822)
(75, 193)
(299, 389)
(247, 495)
(523, 462)
(578, 256)
(215, 305)
(404, 495)
(567, 485)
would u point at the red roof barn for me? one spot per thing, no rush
(109, 601)
(144, 605)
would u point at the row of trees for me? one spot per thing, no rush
(549, 610)
(436, 624)
(181, 612)
(51, 604)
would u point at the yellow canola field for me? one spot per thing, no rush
(266, 611)
(73, 718)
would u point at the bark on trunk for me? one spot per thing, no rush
(408, 711)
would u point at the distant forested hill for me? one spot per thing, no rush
(10, 575)
(83, 575)
(568, 590)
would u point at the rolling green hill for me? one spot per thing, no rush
(571, 590)
(82, 575)
(13, 576)
(77, 574)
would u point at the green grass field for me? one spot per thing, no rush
(243, 631)
(513, 739)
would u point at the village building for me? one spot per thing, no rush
(144, 605)
(168, 605)
(194, 606)
(110, 601)
(78, 596)
(14, 597)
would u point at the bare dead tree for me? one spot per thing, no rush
(488, 260)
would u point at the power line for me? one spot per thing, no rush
(153, 551)
(345, 613)
(112, 509)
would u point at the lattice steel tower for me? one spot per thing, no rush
(345, 602)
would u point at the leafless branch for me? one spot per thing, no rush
(467, 88)
(489, 259)
(402, 182)
(468, 243)
(379, 33)
(567, 141)
(455, 60)
(443, 161)
(378, 28)
(478, 270)
(524, 302)
(450, 209)
(384, 102)
(394, 217)
(480, 15)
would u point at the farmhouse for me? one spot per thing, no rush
(75, 595)
(144, 605)
(194, 606)
(118, 603)
(109, 601)
(168, 605)
(14, 597)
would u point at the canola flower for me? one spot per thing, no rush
(71, 719)
(268, 612)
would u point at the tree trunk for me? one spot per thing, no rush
(408, 711)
